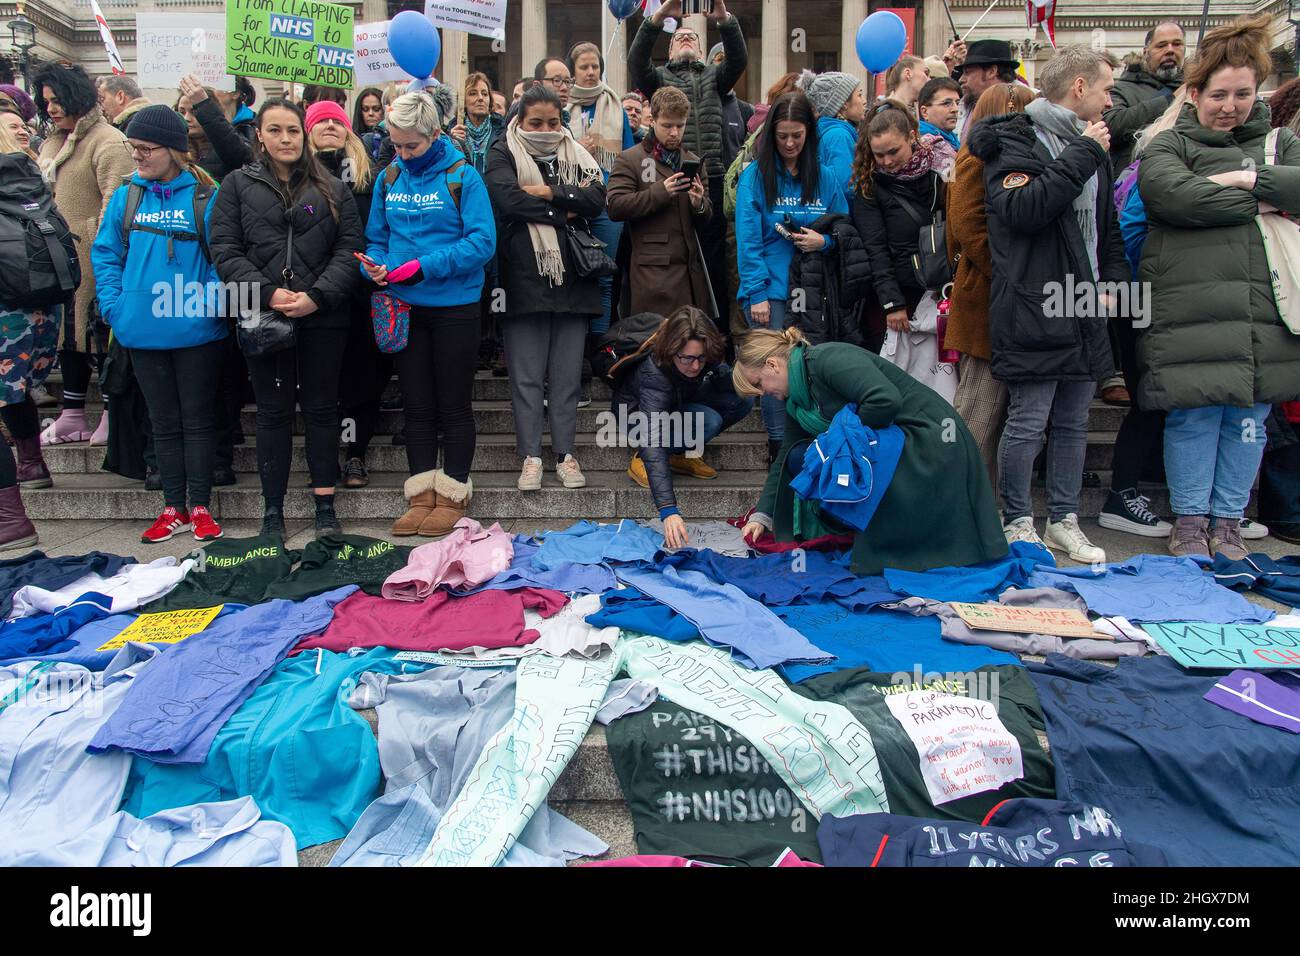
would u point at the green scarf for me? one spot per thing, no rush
(800, 406)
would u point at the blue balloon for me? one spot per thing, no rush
(414, 43)
(882, 38)
(622, 9)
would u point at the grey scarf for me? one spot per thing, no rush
(1056, 127)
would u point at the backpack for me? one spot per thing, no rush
(1125, 183)
(453, 187)
(34, 232)
(627, 342)
(203, 194)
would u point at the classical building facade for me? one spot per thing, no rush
(782, 35)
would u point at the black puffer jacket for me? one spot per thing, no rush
(704, 85)
(890, 231)
(649, 389)
(228, 147)
(832, 285)
(248, 237)
(1139, 99)
(1035, 244)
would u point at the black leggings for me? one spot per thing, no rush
(8, 467)
(180, 388)
(1140, 445)
(23, 421)
(76, 377)
(307, 374)
(361, 389)
(436, 370)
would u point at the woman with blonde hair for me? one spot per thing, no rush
(939, 509)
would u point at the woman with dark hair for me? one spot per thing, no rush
(85, 159)
(679, 376)
(781, 193)
(217, 147)
(312, 93)
(540, 178)
(369, 110)
(1284, 104)
(284, 193)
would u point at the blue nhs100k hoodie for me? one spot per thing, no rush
(160, 295)
(417, 218)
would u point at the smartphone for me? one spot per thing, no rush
(786, 230)
(691, 168)
(692, 7)
(366, 259)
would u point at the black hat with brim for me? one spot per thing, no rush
(987, 53)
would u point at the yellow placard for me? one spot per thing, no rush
(1061, 622)
(167, 627)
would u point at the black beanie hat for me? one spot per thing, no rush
(158, 124)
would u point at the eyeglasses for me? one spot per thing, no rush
(690, 359)
(144, 152)
(681, 36)
(947, 103)
(559, 81)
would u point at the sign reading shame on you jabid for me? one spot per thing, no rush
(294, 41)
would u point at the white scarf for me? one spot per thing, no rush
(606, 125)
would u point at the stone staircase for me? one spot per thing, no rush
(82, 490)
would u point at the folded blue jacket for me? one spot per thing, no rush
(848, 468)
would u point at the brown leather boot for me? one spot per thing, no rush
(32, 472)
(420, 501)
(16, 529)
(453, 497)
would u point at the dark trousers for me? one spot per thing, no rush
(713, 241)
(436, 370)
(23, 421)
(232, 386)
(179, 386)
(1279, 485)
(361, 389)
(1140, 444)
(308, 375)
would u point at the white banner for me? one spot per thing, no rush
(171, 45)
(105, 34)
(485, 18)
(373, 64)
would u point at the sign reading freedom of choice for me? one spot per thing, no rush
(295, 41)
(1253, 646)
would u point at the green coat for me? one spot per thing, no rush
(1216, 337)
(939, 509)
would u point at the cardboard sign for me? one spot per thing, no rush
(485, 18)
(1061, 622)
(374, 64)
(1252, 646)
(293, 41)
(964, 746)
(166, 627)
(169, 46)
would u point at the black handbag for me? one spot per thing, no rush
(588, 252)
(930, 263)
(267, 331)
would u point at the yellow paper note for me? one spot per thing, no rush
(167, 627)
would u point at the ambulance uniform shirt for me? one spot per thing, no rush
(863, 692)
(339, 559)
(232, 570)
(697, 788)
(1207, 786)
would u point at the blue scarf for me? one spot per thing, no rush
(417, 164)
(927, 127)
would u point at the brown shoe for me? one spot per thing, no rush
(420, 500)
(32, 472)
(636, 471)
(695, 467)
(452, 498)
(1116, 395)
(1225, 539)
(16, 530)
(1190, 536)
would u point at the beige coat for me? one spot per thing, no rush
(85, 167)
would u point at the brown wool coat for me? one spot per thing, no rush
(968, 313)
(85, 168)
(667, 267)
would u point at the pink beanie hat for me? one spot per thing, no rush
(326, 109)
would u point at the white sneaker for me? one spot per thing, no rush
(1066, 535)
(1022, 529)
(1252, 530)
(530, 478)
(570, 474)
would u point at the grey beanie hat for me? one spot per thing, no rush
(717, 48)
(828, 91)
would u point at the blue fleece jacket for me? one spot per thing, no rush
(158, 297)
(928, 128)
(837, 141)
(764, 256)
(1133, 227)
(416, 218)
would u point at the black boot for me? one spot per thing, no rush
(16, 529)
(327, 522)
(273, 519)
(773, 449)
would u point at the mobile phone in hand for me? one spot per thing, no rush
(361, 256)
(691, 168)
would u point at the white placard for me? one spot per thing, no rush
(485, 18)
(170, 45)
(964, 746)
(373, 63)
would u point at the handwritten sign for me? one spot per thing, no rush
(169, 46)
(166, 627)
(374, 63)
(485, 18)
(1061, 622)
(964, 746)
(1254, 646)
(294, 41)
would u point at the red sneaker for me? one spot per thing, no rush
(170, 523)
(205, 529)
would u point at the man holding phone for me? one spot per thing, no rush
(657, 189)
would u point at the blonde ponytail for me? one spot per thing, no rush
(756, 347)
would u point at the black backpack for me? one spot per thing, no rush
(203, 194)
(627, 341)
(34, 232)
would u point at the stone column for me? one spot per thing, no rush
(533, 35)
(852, 13)
(374, 11)
(937, 32)
(616, 60)
(776, 44)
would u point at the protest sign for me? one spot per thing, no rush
(165, 627)
(294, 41)
(1254, 646)
(374, 63)
(485, 18)
(169, 46)
(1061, 622)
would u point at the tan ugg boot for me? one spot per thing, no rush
(452, 499)
(420, 500)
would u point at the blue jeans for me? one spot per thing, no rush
(609, 232)
(1211, 457)
(719, 405)
(773, 408)
(1029, 406)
